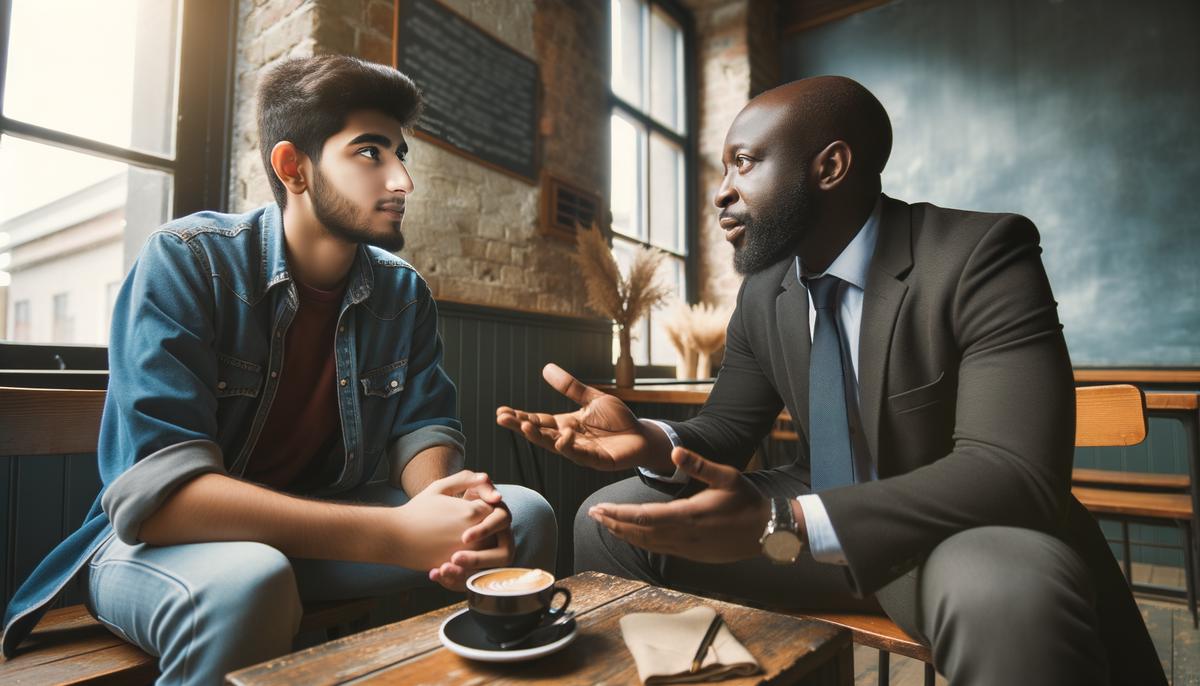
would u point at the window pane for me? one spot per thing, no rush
(62, 223)
(666, 70)
(661, 350)
(101, 70)
(666, 194)
(626, 190)
(627, 50)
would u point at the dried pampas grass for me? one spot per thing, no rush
(697, 332)
(623, 300)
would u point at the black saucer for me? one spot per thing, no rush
(466, 632)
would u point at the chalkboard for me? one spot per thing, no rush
(481, 96)
(1079, 115)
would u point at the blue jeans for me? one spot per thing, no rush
(206, 609)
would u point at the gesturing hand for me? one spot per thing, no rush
(602, 434)
(722, 523)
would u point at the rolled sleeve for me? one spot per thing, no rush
(138, 493)
(410, 445)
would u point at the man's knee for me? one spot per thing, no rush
(1005, 577)
(257, 586)
(587, 531)
(535, 528)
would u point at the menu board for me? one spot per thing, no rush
(481, 96)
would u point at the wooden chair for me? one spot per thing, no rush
(1104, 416)
(68, 646)
(1152, 498)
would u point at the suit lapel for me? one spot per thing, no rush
(882, 299)
(791, 315)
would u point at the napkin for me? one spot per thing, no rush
(663, 646)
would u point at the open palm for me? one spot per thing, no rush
(602, 434)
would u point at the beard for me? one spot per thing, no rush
(773, 235)
(341, 218)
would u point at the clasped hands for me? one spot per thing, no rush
(722, 523)
(460, 525)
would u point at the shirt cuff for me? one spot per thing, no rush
(140, 490)
(407, 446)
(822, 539)
(679, 477)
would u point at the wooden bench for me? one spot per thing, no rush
(68, 646)
(1104, 416)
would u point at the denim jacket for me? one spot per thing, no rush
(194, 359)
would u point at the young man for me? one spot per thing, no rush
(920, 352)
(262, 365)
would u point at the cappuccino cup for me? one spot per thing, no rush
(511, 602)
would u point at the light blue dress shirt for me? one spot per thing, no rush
(851, 267)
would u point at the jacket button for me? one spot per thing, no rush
(394, 383)
(345, 381)
(274, 375)
(341, 329)
(221, 385)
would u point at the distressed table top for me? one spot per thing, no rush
(791, 650)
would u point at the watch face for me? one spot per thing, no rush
(782, 546)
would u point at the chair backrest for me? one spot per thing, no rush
(46, 421)
(1109, 416)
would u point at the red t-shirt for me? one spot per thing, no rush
(303, 426)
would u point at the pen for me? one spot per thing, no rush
(709, 635)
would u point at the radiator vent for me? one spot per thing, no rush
(565, 206)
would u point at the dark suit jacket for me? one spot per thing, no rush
(966, 393)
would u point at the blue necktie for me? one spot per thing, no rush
(831, 459)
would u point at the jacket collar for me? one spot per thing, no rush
(274, 268)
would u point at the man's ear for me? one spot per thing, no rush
(289, 166)
(833, 165)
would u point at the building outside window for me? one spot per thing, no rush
(106, 131)
(21, 320)
(63, 330)
(652, 129)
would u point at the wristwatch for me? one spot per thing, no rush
(781, 541)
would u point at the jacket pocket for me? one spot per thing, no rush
(386, 381)
(237, 377)
(919, 397)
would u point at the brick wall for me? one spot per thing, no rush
(471, 231)
(737, 48)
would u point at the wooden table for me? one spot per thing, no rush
(790, 650)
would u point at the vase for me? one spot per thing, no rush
(624, 371)
(686, 367)
(704, 365)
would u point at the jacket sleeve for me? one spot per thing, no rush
(739, 411)
(159, 425)
(1010, 459)
(428, 414)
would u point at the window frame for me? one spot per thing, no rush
(204, 114)
(688, 142)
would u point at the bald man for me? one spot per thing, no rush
(919, 350)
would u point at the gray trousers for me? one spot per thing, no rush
(998, 605)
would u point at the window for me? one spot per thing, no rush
(652, 128)
(107, 130)
(21, 320)
(63, 330)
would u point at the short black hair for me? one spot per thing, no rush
(306, 100)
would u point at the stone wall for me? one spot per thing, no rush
(471, 231)
(737, 48)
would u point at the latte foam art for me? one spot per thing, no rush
(517, 582)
